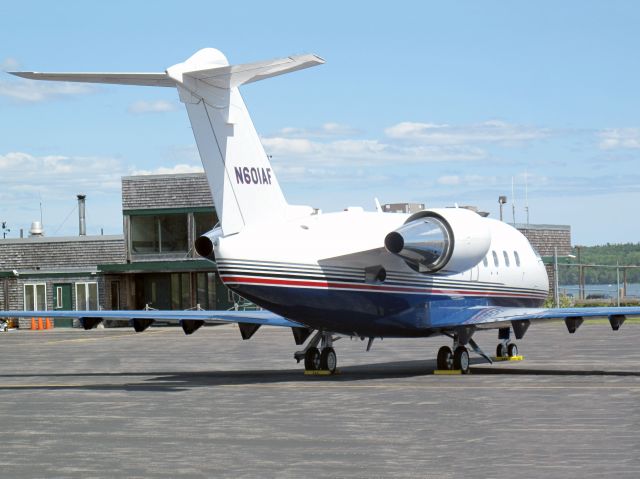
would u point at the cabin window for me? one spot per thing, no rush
(485, 261)
(506, 258)
(517, 257)
(495, 259)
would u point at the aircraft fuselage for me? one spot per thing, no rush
(324, 271)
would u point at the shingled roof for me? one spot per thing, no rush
(165, 191)
(42, 253)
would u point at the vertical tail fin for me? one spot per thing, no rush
(244, 186)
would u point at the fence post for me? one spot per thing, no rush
(556, 296)
(618, 281)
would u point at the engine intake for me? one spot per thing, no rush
(425, 243)
(454, 239)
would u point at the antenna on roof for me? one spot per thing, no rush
(526, 195)
(40, 196)
(513, 202)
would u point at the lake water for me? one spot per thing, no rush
(609, 290)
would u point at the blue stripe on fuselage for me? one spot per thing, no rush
(366, 313)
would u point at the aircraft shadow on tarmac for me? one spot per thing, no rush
(176, 381)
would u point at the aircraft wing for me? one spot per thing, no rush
(495, 317)
(262, 317)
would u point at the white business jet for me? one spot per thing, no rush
(441, 271)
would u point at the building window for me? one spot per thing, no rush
(506, 258)
(58, 297)
(86, 296)
(181, 290)
(495, 259)
(204, 222)
(206, 290)
(159, 234)
(35, 297)
(517, 257)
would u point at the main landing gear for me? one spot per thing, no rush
(319, 359)
(458, 359)
(505, 349)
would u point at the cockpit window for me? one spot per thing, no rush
(495, 259)
(485, 261)
(506, 258)
(517, 257)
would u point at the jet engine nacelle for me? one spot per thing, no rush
(205, 244)
(451, 239)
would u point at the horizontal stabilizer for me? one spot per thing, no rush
(142, 79)
(235, 75)
(221, 76)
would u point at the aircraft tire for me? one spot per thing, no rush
(500, 351)
(512, 350)
(328, 360)
(461, 359)
(445, 358)
(312, 359)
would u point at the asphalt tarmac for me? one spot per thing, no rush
(113, 403)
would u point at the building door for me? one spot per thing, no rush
(62, 301)
(153, 290)
(115, 295)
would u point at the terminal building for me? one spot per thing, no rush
(153, 264)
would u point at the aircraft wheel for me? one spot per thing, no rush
(312, 359)
(445, 358)
(461, 359)
(512, 350)
(328, 360)
(500, 351)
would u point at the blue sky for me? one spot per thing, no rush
(433, 102)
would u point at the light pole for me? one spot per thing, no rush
(501, 201)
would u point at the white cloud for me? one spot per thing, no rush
(158, 106)
(53, 182)
(326, 130)
(467, 180)
(9, 64)
(363, 152)
(619, 138)
(449, 180)
(492, 131)
(289, 146)
(32, 91)
(57, 174)
(173, 170)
